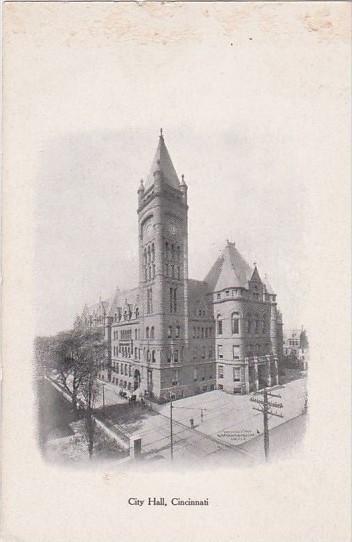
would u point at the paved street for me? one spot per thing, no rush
(222, 424)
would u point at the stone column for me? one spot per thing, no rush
(276, 371)
(268, 371)
(256, 376)
(245, 375)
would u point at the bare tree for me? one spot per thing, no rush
(94, 352)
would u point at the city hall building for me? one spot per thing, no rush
(173, 336)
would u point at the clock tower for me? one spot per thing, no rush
(163, 275)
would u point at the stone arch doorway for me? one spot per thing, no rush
(136, 379)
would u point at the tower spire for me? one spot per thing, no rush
(162, 164)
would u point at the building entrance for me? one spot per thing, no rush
(136, 379)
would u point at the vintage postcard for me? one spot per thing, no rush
(176, 271)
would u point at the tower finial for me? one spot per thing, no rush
(255, 264)
(161, 132)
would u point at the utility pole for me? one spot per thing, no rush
(171, 435)
(104, 399)
(265, 406)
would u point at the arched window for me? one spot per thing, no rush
(235, 323)
(256, 328)
(137, 313)
(167, 270)
(149, 254)
(147, 332)
(135, 334)
(145, 273)
(219, 324)
(172, 252)
(167, 250)
(149, 272)
(153, 356)
(145, 256)
(249, 323)
(152, 332)
(153, 271)
(148, 355)
(153, 252)
(177, 332)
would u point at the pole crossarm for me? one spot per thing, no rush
(274, 414)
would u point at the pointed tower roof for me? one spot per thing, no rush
(162, 162)
(255, 276)
(229, 270)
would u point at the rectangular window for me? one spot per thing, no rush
(169, 332)
(220, 371)
(220, 354)
(175, 378)
(177, 332)
(176, 356)
(236, 351)
(236, 374)
(195, 375)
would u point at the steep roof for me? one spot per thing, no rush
(196, 289)
(229, 270)
(131, 297)
(255, 277)
(268, 286)
(163, 163)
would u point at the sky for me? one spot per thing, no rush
(243, 100)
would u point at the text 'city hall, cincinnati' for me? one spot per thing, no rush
(172, 336)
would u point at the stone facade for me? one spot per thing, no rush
(173, 336)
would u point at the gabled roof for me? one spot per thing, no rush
(131, 297)
(229, 270)
(162, 162)
(255, 277)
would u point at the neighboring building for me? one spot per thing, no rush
(173, 336)
(296, 347)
